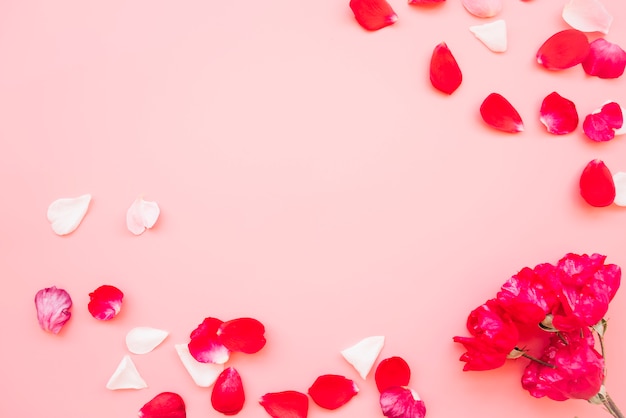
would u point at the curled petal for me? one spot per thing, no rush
(67, 213)
(402, 402)
(445, 74)
(498, 113)
(373, 14)
(126, 376)
(587, 16)
(245, 335)
(483, 8)
(205, 345)
(363, 354)
(142, 340)
(287, 404)
(142, 214)
(492, 34)
(558, 114)
(105, 302)
(228, 396)
(53, 308)
(605, 59)
(564, 49)
(392, 371)
(596, 184)
(331, 391)
(164, 405)
(619, 179)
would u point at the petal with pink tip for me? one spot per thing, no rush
(203, 374)
(587, 16)
(228, 396)
(402, 402)
(245, 335)
(445, 74)
(500, 114)
(558, 114)
(126, 376)
(373, 14)
(392, 371)
(596, 184)
(66, 214)
(563, 50)
(363, 354)
(330, 391)
(142, 340)
(483, 8)
(53, 308)
(141, 215)
(605, 59)
(287, 404)
(492, 35)
(105, 302)
(164, 405)
(205, 345)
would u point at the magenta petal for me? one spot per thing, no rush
(53, 308)
(558, 114)
(605, 59)
(401, 402)
(600, 126)
(105, 302)
(612, 114)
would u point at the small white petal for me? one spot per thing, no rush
(126, 376)
(492, 34)
(587, 16)
(363, 354)
(203, 374)
(142, 340)
(620, 188)
(142, 214)
(66, 214)
(483, 8)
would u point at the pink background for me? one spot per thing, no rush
(308, 175)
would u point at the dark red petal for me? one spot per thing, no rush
(558, 114)
(228, 396)
(392, 371)
(105, 302)
(445, 74)
(205, 346)
(331, 391)
(563, 50)
(596, 184)
(612, 114)
(401, 402)
(164, 405)
(245, 335)
(373, 14)
(605, 59)
(498, 113)
(287, 404)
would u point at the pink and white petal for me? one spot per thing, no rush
(66, 214)
(164, 405)
(363, 354)
(126, 376)
(483, 8)
(332, 391)
(203, 374)
(587, 16)
(142, 340)
(53, 308)
(105, 302)
(605, 59)
(492, 35)
(245, 335)
(558, 114)
(142, 214)
(208, 350)
(402, 402)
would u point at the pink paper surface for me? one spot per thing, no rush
(308, 176)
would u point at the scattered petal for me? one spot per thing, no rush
(596, 184)
(601, 125)
(105, 302)
(373, 14)
(392, 371)
(498, 113)
(67, 213)
(142, 340)
(331, 391)
(619, 179)
(587, 16)
(142, 214)
(558, 114)
(445, 74)
(53, 308)
(425, 2)
(205, 346)
(483, 8)
(492, 34)
(244, 335)
(228, 396)
(287, 404)
(402, 402)
(363, 354)
(564, 49)
(203, 374)
(164, 405)
(126, 376)
(605, 59)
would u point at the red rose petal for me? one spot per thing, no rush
(596, 184)
(401, 402)
(228, 396)
(600, 126)
(558, 114)
(245, 335)
(498, 113)
(287, 404)
(205, 346)
(373, 14)
(105, 302)
(392, 371)
(164, 405)
(445, 74)
(563, 50)
(331, 391)
(605, 59)
(612, 114)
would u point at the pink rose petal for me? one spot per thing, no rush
(287, 404)
(445, 74)
(601, 126)
(228, 396)
(605, 59)
(401, 402)
(392, 371)
(205, 346)
(558, 114)
(596, 184)
(498, 113)
(53, 308)
(564, 49)
(105, 302)
(587, 16)
(373, 14)
(331, 391)
(164, 405)
(483, 8)
(142, 214)
(245, 335)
